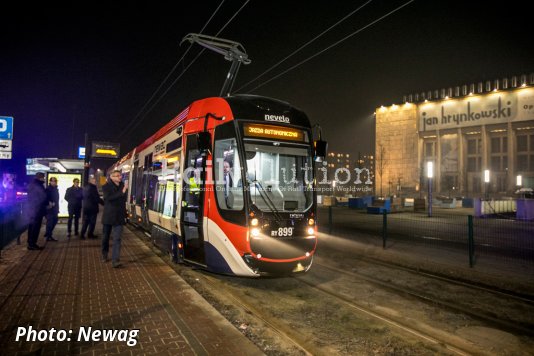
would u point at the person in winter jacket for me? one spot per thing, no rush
(114, 216)
(52, 209)
(91, 200)
(74, 197)
(35, 209)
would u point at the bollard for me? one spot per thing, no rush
(471, 241)
(330, 219)
(384, 228)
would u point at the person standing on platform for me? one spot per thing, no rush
(52, 210)
(114, 216)
(74, 197)
(35, 209)
(91, 199)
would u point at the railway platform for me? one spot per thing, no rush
(65, 300)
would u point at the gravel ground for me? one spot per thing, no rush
(323, 324)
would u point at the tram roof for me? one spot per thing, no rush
(242, 106)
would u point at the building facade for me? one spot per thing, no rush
(470, 134)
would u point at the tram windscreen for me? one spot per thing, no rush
(279, 176)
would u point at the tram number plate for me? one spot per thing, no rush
(282, 232)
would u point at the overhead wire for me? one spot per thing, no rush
(304, 45)
(333, 45)
(187, 67)
(127, 128)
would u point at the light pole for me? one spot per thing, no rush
(486, 183)
(429, 175)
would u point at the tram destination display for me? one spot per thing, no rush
(273, 132)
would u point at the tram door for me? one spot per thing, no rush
(192, 203)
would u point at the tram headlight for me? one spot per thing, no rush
(254, 222)
(310, 231)
(255, 232)
(311, 222)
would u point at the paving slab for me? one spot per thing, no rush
(65, 300)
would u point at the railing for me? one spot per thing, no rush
(478, 238)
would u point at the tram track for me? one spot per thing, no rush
(253, 311)
(493, 321)
(255, 300)
(459, 347)
(518, 296)
(440, 339)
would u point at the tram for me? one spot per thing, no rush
(228, 185)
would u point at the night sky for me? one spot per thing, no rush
(66, 71)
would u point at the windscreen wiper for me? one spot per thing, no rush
(267, 200)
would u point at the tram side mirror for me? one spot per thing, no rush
(321, 148)
(204, 141)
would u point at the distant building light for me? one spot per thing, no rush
(486, 176)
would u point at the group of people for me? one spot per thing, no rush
(44, 202)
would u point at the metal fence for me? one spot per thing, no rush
(493, 237)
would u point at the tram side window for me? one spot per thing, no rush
(168, 192)
(168, 207)
(159, 197)
(229, 186)
(151, 190)
(164, 197)
(138, 184)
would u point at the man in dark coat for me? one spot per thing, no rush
(52, 210)
(35, 209)
(74, 197)
(114, 216)
(91, 199)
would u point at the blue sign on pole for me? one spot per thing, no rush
(6, 128)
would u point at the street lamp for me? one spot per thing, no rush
(430, 175)
(519, 180)
(486, 182)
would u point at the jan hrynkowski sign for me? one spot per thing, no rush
(494, 108)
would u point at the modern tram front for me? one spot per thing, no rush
(263, 173)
